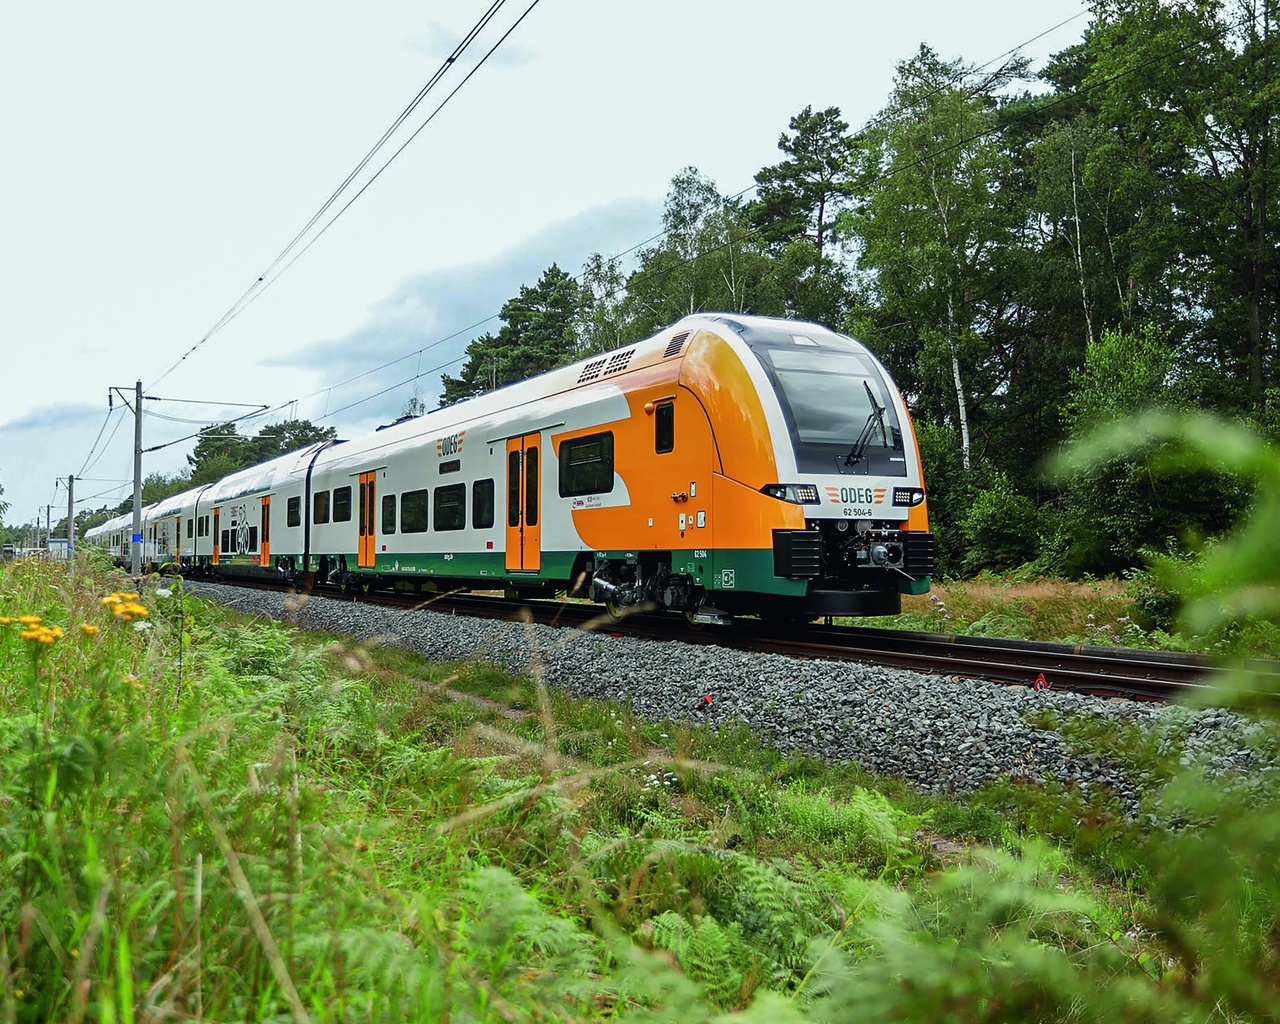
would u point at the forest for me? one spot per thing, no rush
(1033, 255)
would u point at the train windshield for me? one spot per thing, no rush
(835, 396)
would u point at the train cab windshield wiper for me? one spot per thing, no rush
(875, 419)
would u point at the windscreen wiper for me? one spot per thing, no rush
(875, 419)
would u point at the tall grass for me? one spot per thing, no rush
(209, 818)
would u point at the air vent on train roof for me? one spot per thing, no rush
(675, 344)
(615, 363)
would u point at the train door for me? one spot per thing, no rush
(367, 554)
(264, 534)
(177, 541)
(524, 530)
(216, 536)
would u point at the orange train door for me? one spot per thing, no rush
(264, 533)
(367, 554)
(524, 532)
(216, 514)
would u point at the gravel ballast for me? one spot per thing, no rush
(939, 733)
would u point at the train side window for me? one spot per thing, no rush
(342, 504)
(482, 504)
(664, 428)
(451, 507)
(293, 512)
(226, 542)
(586, 465)
(191, 525)
(513, 488)
(320, 507)
(388, 513)
(413, 511)
(253, 538)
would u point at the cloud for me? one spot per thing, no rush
(423, 327)
(439, 41)
(54, 417)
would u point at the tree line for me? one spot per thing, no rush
(1030, 256)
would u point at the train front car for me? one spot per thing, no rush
(820, 502)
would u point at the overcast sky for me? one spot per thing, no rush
(157, 157)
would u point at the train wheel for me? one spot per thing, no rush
(616, 611)
(691, 622)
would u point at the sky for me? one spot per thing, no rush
(157, 157)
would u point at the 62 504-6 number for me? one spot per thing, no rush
(850, 512)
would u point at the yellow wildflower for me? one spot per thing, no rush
(29, 620)
(89, 630)
(6, 620)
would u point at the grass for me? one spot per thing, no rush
(209, 817)
(1093, 611)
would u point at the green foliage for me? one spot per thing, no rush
(221, 449)
(1002, 528)
(537, 334)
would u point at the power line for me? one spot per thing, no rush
(261, 283)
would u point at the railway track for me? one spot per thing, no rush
(1103, 671)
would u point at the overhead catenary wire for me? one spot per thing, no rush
(274, 270)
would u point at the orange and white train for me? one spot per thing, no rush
(728, 465)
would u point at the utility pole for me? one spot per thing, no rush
(71, 517)
(136, 548)
(48, 524)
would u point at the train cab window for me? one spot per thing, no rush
(664, 428)
(413, 511)
(586, 465)
(342, 504)
(482, 504)
(320, 507)
(293, 512)
(388, 513)
(451, 507)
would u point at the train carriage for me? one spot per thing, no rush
(727, 465)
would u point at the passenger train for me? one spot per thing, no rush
(728, 465)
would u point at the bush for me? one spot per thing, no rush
(1001, 527)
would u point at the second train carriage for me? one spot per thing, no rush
(727, 465)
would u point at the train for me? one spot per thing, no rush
(729, 465)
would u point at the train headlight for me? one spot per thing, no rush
(797, 494)
(908, 496)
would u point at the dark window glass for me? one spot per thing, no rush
(293, 512)
(513, 488)
(664, 428)
(342, 504)
(531, 486)
(451, 507)
(452, 466)
(266, 523)
(225, 546)
(388, 513)
(253, 538)
(190, 527)
(482, 504)
(413, 511)
(586, 465)
(320, 507)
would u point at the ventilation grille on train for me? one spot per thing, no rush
(675, 344)
(615, 363)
